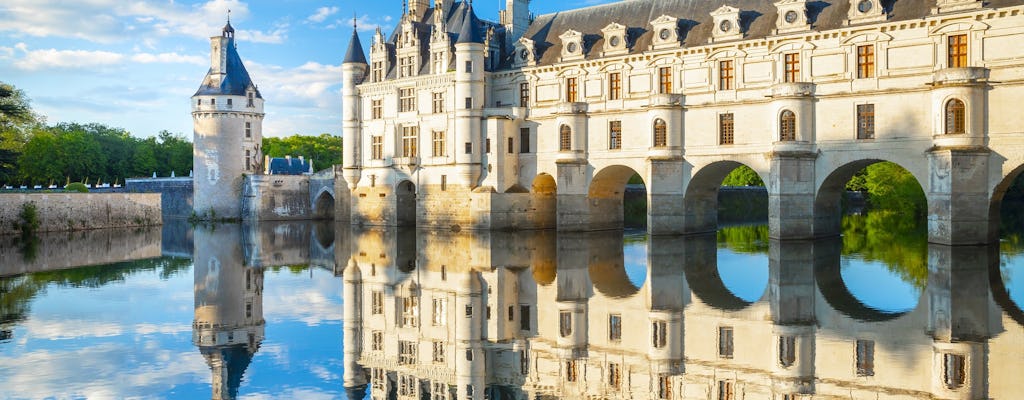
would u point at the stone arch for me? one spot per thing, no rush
(1001, 294)
(544, 184)
(829, 279)
(700, 203)
(996, 201)
(606, 195)
(405, 204)
(323, 206)
(828, 196)
(703, 277)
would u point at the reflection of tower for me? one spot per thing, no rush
(355, 376)
(228, 325)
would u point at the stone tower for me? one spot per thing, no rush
(353, 71)
(516, 18)
(227, 115)
(469, 98)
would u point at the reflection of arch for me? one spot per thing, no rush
(996, 202)
(323, 207)
(828, 276)
(1001, 294)
(828, 201)
(606, 266)
(405, 204)
(701, 270)
(544, 184)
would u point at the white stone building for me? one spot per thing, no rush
(537, 122)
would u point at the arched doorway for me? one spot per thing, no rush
(323, 208)
(405, 204)
(618, 199)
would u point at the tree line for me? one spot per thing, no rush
(33, 152)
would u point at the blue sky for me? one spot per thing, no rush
(135, 63)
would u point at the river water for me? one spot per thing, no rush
(311, 311)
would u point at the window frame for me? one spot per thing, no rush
(614, 135)
(726, 129)
(787, 126)
(564, 138)
(665, 80)
(407, 99)
(957, 51)
(726, 75)
(866, 117)
(866, 61)
(571, 89)
(438, 144)
(410, 141)
(955, 117)
(615, 86)
(660, 133)
(791, 67)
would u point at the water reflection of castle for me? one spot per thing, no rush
(501, 316)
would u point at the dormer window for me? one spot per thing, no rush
(792, 16)
(252, 99)
(863, 11)
(572, 45)
(666, 29)
(615, 40)
(727, 24)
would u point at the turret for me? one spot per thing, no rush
(353, 71)
(469, 99)
(227, 116)
(516, 18)
(417, 8)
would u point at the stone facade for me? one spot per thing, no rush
(65, 250)
(176, 194)
(59, 212)
(681, 93)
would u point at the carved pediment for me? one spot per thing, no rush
(666, 32)
(726, 24)
(572, 45)
(616, 39)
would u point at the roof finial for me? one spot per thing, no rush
(405, 7)
(229, 15)
(354, 19)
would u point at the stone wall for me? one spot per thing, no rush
(276, 198)
(175, 194)
(81, 211)
(64, 250)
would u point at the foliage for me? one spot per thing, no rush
(16, 119)
(77, 187)
(892, 188)
(898, 240)
(742, 176)
(324, 150)
(744, 239)
(634, 210)
(29, 216)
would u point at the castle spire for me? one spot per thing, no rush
(470, 32)
(355, 52)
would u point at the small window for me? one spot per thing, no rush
(725, 75)
(787, 351)
(954, 371)
(469, 103)
(614, 135)
(439, 144)
(469, 66)
(511, 149)
(614, 86)
(725, 390)
(570, 371)
(614, 375)
(565, 138)
(469, 354)
(665, 80)
(524, 317)
(469, 310)
(865, 358)
(660, 133)
(469, 148)
(792, 62)
(199, 102)
(615, 327)
(787, 126)
(956, 120)
(252, 99)
(377, 108)
(957, 51)
(866, 61)
(524, 94)
(444, 187)
(664, 387)
(725, 345)
(248, 130)
(524, 140)
(377, 147)
(439, 352)
(726, 129)
(438, 102)
(565, 323)
(376, 303)
(248, 160)
(658, 334)
(865, 121)
(570, 90)
(487, 146)
(213, 101)
(377, 342)
(230, 102)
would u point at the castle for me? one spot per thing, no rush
(540, 121)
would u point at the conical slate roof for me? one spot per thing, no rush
(236, 80)
(355, 52)
(470, 32)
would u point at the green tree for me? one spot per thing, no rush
(890, 187)
(16, 120)
(324, 150)
(742, 176)
(174, 154)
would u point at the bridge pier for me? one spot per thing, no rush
(791, 195)
(958, 200)
(665, 196)
(573, 207)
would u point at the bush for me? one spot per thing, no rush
(29, 219)
(77, 187)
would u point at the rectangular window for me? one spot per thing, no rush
(406, 352)
(410, 137)
(407, 100)
(725, 390)
(410, 311)
(865, 358)
(439, 317)
(726, 129)
(439, 62)
(511, 313)
(615, 327)
(570, 371)
(570, 90)
(664, 387)
(565, 323)
(438, 102)
(376, 302)
(469, 66)
(469, 103)
(438, 352)
(615, 135)
(725, 75)
(659, 335)
(865, 121)
(487, 146)
(792, 62)
(524, 94)
(614, 375)
(614, 86)
(524, 362)
(376, 109)
(248, 130)
(444, 186)
(866, 61)
(787, 350)
(954, 372)
(469, 310)
(377, 147)
(665, 80)
(524, 317)
(524, 140)
(252, 100)
(248, 160)
(511, 143)
(377, 73)
(377, 341)
(957, 51)
(725, 349)
(406, 66)
(230, 103)
(438, 142)
(469, 148)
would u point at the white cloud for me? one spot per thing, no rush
(322, 13)
(168, 58)
(26, 59)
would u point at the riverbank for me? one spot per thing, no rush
(63, 212)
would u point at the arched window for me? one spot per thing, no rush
(787, 126)
(956, 121)
(660, 133)
(565, 138)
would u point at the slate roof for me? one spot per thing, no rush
(455, 21)
(288, 166)
(355, 53)
(695, 22)
(236, 80)
(470, 31)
